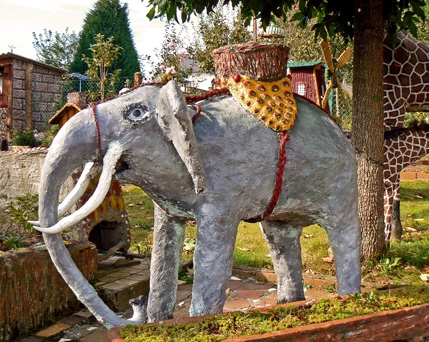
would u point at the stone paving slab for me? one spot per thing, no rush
(53, 330)
(244, 292)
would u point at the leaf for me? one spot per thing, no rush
(151, 13)
(297, 16)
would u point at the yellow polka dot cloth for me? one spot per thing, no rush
(271, 102)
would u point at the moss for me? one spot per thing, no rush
(220, 327)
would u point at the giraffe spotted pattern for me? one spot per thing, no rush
(406, 88)
(406, 79)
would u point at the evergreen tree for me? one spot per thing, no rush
(109, 18)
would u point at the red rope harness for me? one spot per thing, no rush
(284, 136)
(191, 100)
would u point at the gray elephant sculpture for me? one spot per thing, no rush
(217, 171)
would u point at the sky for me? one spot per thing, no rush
(20, 18)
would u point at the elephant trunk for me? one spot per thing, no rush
(73, 146)
(109, 163)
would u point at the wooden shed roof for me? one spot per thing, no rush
(10, 55)
(56, 118)
(296, 65)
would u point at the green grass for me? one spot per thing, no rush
(403, 264)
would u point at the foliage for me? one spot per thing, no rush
(23, 209)
(104, 53)
(416, 119)
(49, 135)
(109, 18)
(229, 325)
(56, 48)
(172, 57)
(423, 26)
(11, 242)
(33, 138)
(222, 27)
(26, 137)
(332, 17)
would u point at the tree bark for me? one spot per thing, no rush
(368, 132)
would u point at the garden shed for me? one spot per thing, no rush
(308, 79)
(29, 90)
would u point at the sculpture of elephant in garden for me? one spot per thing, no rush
(217, 171)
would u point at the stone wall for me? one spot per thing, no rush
(33, 293)
(34, 91)
(20, 175)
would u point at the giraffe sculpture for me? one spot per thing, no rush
(406, 89)
(401, 148)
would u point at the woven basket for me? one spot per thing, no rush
(265, 62)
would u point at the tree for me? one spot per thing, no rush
(363, 20)
(217, 29)
(56, 48)
(109, 18)
(302, 43)
(172, 56)
(104, 54)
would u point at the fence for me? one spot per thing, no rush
(91, 87)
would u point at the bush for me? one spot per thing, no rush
(23, 209)
(26, 137)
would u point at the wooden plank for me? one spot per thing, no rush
(393, 325)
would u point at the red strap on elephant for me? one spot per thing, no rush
(279, 176)
(284, 136)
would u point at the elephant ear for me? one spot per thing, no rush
(175, 121)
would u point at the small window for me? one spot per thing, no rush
(301, 89)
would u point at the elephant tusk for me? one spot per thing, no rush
(109, 163)
(75, 194)
(77, 191)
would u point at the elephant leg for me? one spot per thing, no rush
(285, 248)
(213, 259)
(168, 239)
(345, 239)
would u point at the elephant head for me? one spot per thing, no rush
(217, 171)
(78, 143)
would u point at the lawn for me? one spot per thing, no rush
(404, 263)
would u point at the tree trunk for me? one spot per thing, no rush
(368, 132)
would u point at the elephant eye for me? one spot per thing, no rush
(138, 114)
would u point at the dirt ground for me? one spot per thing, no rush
(421, 165)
